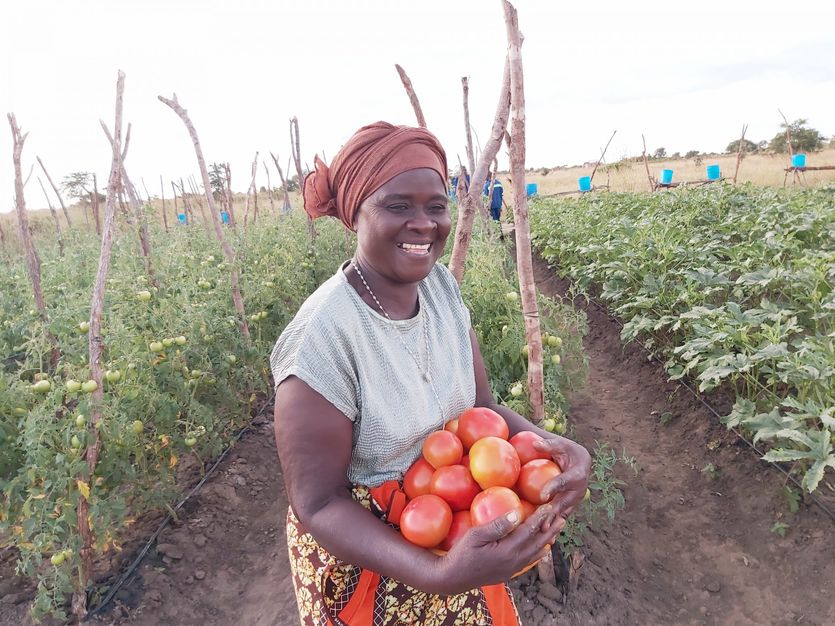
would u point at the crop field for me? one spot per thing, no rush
(733, 288)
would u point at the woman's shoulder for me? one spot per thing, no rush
(442, 283)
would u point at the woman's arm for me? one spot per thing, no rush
(314, 445)
(573, 458)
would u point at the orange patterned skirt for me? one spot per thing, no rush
(332, 593)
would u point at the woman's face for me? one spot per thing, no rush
(403, 226)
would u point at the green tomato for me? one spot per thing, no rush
(516, 391)
(75, 442)
(587, 495)
(73, 386)
(42, 386)
(525, 350)
(80, 420)
(57, 559)
(504, 330)
(84, 327)
(156, 346)
(554, 342)
(143, 296)
(168, 342)
(89, 386)
(559, 429)
(19, 410)
(137, 427)
(231, 358)
(511, 296)
(555, 359)
(180, 341)
(113, 376)
(196, 373)
(550, 424)
(190, 441)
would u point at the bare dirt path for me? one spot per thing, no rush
(688, 549)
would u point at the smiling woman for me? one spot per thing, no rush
(378, 358)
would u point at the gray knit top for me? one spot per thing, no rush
(350, 354)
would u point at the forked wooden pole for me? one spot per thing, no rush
(465, 85)
(739, 151)
(410, 91)
(57, 193)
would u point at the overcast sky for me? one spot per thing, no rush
(688, 75)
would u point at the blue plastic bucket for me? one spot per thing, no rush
(666, 177)
(181, 218)
(532, 189)
(224, 216)
(799, 160)
(585, 183)
(713, 172)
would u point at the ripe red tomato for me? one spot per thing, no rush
(523, 442)
(465, 461)
(533, 476)
(426, 520)
(455, 485)
(452, 426)
(493, 503)
(528, 509)
(461, 523)
(494, 463)
(442, 448)
(417, 479)
(480, 422)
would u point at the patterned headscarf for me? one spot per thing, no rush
(373, 156)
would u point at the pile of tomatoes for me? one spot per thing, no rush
(469, 475)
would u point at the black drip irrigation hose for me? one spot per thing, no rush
(710, 408)
(139, 557)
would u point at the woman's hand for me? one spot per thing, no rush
(566, 491)
(493, 553)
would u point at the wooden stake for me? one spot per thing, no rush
(164, 210)
(472, 201)
(252, 189)
(465, 85)
(57, 193)
(228, 190)
(602, 154)
(54, 219)
(286, 206)
(739, 151)
(410, 91)
(295, 148)
(237, 298)
(646, 165)
(96, 206)
(269, 187)
(195, 193)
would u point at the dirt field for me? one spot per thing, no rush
(689, 549)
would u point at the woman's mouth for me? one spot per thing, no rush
(415, 249)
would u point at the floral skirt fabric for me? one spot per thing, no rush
(332, 593)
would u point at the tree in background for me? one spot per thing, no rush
(217, 177)
(77, 185)
(803, 139)
(660, 153)
(747, 146)
(691, 153)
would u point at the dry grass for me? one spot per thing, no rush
(761, 169)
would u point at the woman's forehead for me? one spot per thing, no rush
(418, 181)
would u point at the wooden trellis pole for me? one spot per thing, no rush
(228, 251)
(252, 189)
(410, 91)
(465, 85)
(269, 187)
(195, 193)
(96, 206)
(54, 218)
(164, 209)
(286, 206)
(739, 151)
(471, 201)
(228, 191)
(57, 193)
(646, 165)
(295, 148)
(602, 155)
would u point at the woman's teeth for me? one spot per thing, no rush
(415, 248)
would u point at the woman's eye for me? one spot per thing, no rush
(398, 207)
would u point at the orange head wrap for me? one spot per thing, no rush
(372, 157)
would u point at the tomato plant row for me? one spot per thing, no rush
(731, 285)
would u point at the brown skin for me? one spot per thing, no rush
(316, 453)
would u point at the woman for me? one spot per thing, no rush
(380, 356)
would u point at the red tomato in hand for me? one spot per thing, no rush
(442, 448)
(452, 426)
(465, 461)
(417, 479)
(425, 521)
(523, 442)
(533, 477)
(493, 503)
(461, 523)
(494, 463)
(455, 485)
(480, 422)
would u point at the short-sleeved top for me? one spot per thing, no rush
(351, 355)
